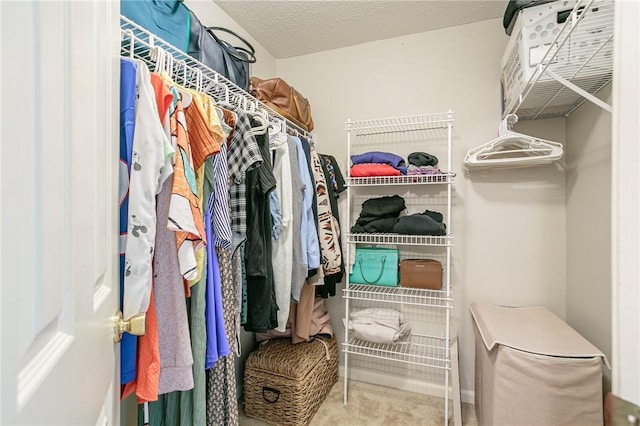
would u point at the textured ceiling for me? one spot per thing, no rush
(290, 28)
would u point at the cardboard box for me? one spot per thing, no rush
(533, 369)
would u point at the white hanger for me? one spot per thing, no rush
(512, 149)
(133, 42)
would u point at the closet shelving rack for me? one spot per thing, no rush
(433, 351)
(578, 63)
(137, 42)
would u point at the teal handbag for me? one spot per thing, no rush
(374, 265)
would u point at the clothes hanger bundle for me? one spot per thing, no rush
(512, 149)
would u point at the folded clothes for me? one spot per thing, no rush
(389, 206)
(373, 169)
(422, 159)
(379, 325)
(378, 157)
(437, 216)
(422, 170)
(419, 224)
(373, 225)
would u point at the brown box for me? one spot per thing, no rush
(533, 369)
(284, 384)
(421, 273)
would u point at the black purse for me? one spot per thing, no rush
(230, 61)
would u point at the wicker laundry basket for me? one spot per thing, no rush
(284, 384)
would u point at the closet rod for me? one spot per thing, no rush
(140, 43)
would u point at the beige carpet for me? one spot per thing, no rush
(379, 405)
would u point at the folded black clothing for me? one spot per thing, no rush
(390, 206)
(381, 225)
(437, 216)
(419, 224)
(422, 159)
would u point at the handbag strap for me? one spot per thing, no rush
(384, 259)
(251, 52)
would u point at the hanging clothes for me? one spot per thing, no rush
(334, 184)
(262, 307)
(148, 157)
(146, 385)
(329, 230)
(174, 341)
(282, 254)
(128, 70)
(308, 229)
(299, 268)
(185, 216)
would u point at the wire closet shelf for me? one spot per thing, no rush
(403, 295)
(418, 350)
(581, 55)
(408, 240)
(137, 42)
(400, 124)
(435, 178)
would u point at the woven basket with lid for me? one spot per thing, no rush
(284, 384)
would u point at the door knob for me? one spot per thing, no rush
(135, 325)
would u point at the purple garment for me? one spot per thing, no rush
(422, 170)
(379, 157)
(217, 343)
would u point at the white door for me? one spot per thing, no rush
(626, 205)
(58, 204)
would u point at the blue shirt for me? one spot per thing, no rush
(308, 232)
(217, 343)
(129, 343)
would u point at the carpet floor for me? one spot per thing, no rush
(378, 405)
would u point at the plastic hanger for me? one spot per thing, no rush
(512, 149)
(185, 96)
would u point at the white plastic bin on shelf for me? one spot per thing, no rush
(533, 369)
(534, 33)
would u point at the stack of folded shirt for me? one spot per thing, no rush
(379, 325)
(382, 215)
(377, 163)
(379, 215)
(421, 163)
(426, 223)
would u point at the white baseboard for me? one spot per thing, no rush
(403, 383)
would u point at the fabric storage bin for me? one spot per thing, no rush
(533, 369)
(285, 384)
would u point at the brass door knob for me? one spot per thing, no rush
(135, 325)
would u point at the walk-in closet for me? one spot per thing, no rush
(320, 212)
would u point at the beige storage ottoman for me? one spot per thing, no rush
(284, 384)
(533, 369)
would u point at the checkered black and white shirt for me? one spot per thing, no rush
(242, 156)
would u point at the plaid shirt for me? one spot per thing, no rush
(243, 155)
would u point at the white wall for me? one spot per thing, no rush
(588, 153)
(509, 225)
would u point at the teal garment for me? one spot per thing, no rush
(198, 345)
(168, 19)
(170, 409)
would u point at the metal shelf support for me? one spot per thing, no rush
(588, 96)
